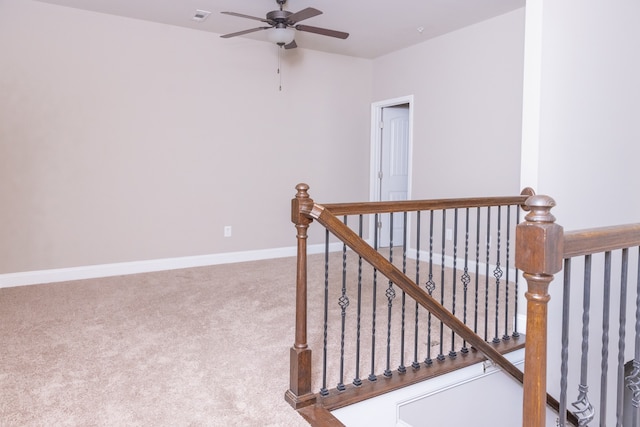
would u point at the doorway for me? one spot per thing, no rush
(391, 154)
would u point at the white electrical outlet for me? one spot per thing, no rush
(227, 231)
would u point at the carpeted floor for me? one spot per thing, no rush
(205, 346)
(197, 347)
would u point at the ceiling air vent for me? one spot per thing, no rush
(201, 15)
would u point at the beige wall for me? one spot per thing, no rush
(588, 128)
(123, 140)
(467, 88)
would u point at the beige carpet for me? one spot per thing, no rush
(205, 346)
(198, 347)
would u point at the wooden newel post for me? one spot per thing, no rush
(539, 252)
(299, 394)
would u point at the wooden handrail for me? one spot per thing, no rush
(363, 208)
(602, 239)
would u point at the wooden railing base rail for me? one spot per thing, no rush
(338, 399)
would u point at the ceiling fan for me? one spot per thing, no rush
(282, 25)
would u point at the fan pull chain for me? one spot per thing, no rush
(279, 73)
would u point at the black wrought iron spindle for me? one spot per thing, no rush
(486, 276)
(402, 368)
(372, 374)
(466, 279)
(477, 281)
(584, 409)
(506, 336)
(390, 294)
(443, 252)
(515, 333)
(564, 352)
(452, 351)
(324, 391)
(622, 321)
(431, 286)
(633, 380)
(357, 381)
(604, 366)
(497, 273)
(415, 364)
(343, 302)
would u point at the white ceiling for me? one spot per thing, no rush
(376, 27)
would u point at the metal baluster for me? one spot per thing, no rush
(497, 273)
(402, 368)
(584, 408)
(486, 277)
(444, 226)
(452, 352)
(622, 319)
(477, 281)
(633, 380)
(372, 375)
(390, 294)
(515, 333)
(465, 276)
(416, 364)
(357, 381)
(343, 302)
(605, 338)
(564, 353)
(324, 391)
(506, 336)
(431, 286)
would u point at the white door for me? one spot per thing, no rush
(393, 174)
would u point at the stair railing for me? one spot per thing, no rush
(305, 211)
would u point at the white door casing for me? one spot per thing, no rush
(391, 151)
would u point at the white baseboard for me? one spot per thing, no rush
(122, 268)
(522, 323)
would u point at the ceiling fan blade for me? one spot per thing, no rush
(303, 14)
(240, 33)
(247, 16)
(322, 31)
(291, 45)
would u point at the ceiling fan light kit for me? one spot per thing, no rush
(282, 25)
(281, 36)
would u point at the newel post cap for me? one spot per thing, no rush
(301, 204)
(539, 240)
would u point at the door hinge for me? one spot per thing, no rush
(380, 175)
(381, 124)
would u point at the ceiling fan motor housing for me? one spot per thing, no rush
(279, 16)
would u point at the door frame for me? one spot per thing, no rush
(376, 144)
